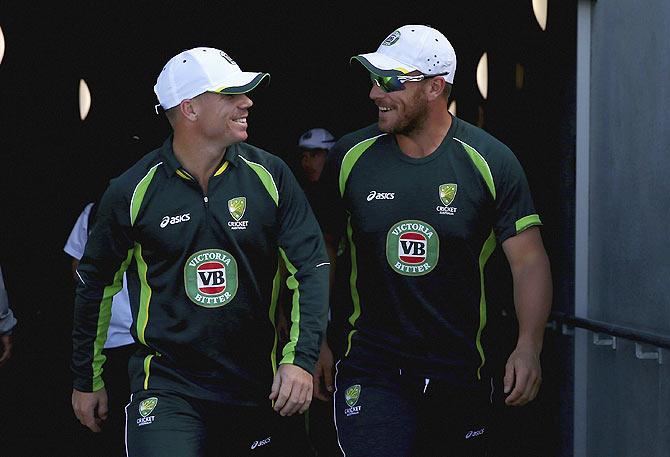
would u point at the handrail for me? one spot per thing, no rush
(661, 341)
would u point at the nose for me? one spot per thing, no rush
(245, 102)
(376, 92)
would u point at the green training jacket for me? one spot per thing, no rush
(203, 276)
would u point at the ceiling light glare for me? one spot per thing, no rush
(483, 76)
(540, 10)
(84, 99)
(519, 76)
(2, 45)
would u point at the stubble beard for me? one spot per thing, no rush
(414, 119)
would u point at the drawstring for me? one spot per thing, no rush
(425, 386)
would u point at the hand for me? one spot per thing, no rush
(7, 343)
(291, 390)
(523, 373)
(282, 328)
(90, 408)
(323, 375)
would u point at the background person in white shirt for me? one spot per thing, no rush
(119, 345)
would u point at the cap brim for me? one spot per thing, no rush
(242, 83)
(382, 65)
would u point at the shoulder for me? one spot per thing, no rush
(127, 182)
(476, 140)
(259, 160)
(353, 139)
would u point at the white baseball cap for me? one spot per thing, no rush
(316, 139)
(199, 70)
(411, 48)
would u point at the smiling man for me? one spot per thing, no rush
(200, 227)
(422, 199)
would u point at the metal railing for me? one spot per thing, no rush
(614, 331)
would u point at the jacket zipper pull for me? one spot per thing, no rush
(206, 200)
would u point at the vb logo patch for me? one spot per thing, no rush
(236, 207)
(351, 396)
(447, 193)
(210, 278)
(147, 407)
(412, 248)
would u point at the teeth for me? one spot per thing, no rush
(384, 109)
(242, 120)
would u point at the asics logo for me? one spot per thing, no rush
(473, 433)
(260, 443)
(374, 195)
(167, 220)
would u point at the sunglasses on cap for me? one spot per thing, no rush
(396, 83)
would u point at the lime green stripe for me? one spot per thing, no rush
(266, 178)
(292, 283)
(528, 221)
(350, 159)
(138, 193)
(481, 165)
(104, 316)
(145, 294)
(276, 285)
(353, 278)
(349, 337)
(147, 368)
(487, 250)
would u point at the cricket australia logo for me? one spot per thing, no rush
(351, 396)
(412, 248)
(391, 39)
(236, 207)
(210, 278)
(147, 407)
(447, 193)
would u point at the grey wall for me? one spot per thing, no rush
(629, 262)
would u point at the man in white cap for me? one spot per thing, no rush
(200, 226)
(422, 199)
(314, 145)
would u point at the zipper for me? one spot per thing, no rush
(205, 198)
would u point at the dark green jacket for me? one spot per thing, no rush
(203, 276)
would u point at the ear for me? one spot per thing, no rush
(188, 109)
(435, 87)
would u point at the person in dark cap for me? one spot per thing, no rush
(200, 227)
(421, 200)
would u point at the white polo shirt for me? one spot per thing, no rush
(119, 333)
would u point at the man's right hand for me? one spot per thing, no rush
(6, 343)
(90, 408)
(323, 375)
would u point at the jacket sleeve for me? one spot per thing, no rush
(303, 251)
(7, 319)
(99, 276)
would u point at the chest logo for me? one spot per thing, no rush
(210, 278)
(447, 193)
(412, 247)
(236, 207)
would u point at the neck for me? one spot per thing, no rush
(423, 141)
(198, 156)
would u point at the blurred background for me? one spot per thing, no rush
(576, 88)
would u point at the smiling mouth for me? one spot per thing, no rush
(240, 120)
(385, 109)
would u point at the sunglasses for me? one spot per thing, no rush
(396, 83)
